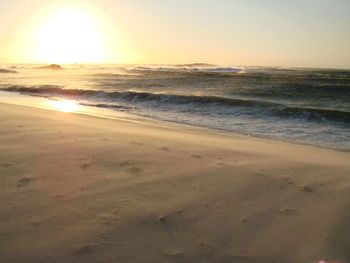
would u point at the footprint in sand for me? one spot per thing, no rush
(82, 249)
(137, 143)
(133, 170)
(306, 188)
(196, 156)
(130, 167)
(222, 164)
(126, 163)
(287, 211)
(86, 161)
(165, 149)
(84, 165)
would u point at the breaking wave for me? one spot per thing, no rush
(110, 99)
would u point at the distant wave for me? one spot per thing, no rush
(257, 107)
(208, 68)
(191, 68)
(196, 65)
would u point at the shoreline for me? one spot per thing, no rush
(121, 115)
(78, 188)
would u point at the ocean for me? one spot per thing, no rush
(307, 106)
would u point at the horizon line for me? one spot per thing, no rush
(177, 64)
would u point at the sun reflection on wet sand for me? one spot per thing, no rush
(64, 105)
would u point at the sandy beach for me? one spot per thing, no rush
(77, 188)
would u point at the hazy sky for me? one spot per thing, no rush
(309, 33)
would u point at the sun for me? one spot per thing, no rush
(70, 36)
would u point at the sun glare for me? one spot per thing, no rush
(64, 105)
(70, 36)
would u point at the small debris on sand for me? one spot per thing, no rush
(244, 220)
(306, 188)
(23, 181)
(287, 211)
(161, 218)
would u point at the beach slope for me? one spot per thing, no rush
(76, 188)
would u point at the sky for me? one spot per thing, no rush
(288, 33)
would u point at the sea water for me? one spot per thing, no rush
(309, 106)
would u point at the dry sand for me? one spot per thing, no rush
(76, 188)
